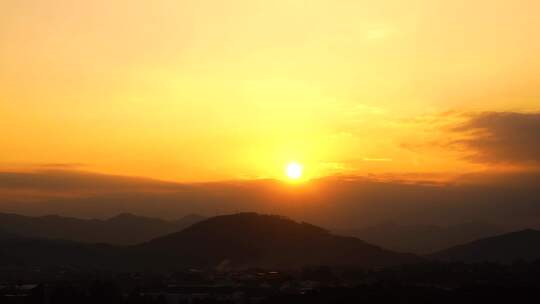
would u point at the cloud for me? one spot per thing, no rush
(376, 159)
(502, 138)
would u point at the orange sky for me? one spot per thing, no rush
(209, 90)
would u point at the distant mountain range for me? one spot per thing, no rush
(239, 240)
(129, 229)
(423, 239)
(123, 229)
(229, 241)
(505, 248)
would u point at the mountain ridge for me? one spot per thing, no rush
(122, 229)
(227, 241)
(504, 248)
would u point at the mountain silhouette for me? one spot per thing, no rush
(123, 229)
(238, 240)
(505, 248)
(250, 239)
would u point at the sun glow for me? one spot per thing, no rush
(293, 170)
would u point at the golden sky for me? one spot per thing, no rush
(211, 90)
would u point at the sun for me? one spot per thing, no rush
(293, 170)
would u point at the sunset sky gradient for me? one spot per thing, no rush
(205, 90)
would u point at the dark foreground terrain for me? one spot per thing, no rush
(421, 283)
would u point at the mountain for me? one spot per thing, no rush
(505, 248)
(122, 229)
(423, 239)
(238, 240)
(250, 239)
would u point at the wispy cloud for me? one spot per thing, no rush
(377, 159)
(62, 166)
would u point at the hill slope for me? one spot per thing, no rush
(30, 252)
(423, 239)
(506, 248)
(250, 239)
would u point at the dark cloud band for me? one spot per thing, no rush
(502, 137)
